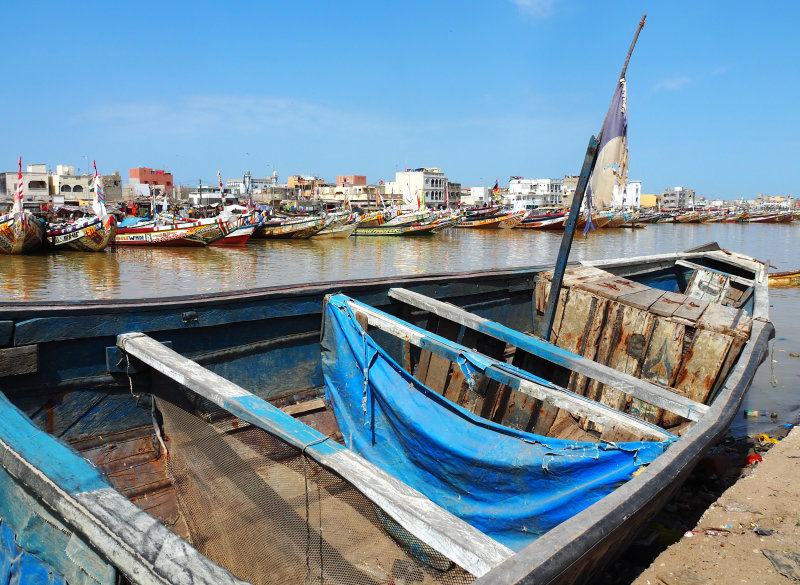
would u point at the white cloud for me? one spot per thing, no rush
(673, 84)
(535, 8)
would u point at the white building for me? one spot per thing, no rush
(34, 183)
(256, 185)
(428, 183)
(631, 196)
(526, 194)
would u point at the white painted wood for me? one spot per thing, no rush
(465, 545)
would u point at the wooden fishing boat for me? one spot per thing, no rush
(422, 229)
(21, 232)
(195, 439)
(337, 226)
(689, 217)
(88, 234)
(493, 222)
(290, 228)
(779, 217)
(785, 279)
(543, 223)
(180, 232)
(244, 225)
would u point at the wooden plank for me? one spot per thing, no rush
(661, 364)
(439, 368)
(690, 311)
(507, 374)
(747, 282)
(728, 320)
(708, 286)
(449, 535)
(612, 288)
(668, 304)
(700, 368)
(656, 395)
(19, 360)
(643, 299)
(304, 407)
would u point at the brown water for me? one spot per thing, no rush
(127, 273)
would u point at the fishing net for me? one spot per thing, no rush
(269, 514)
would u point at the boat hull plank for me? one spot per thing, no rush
(19, 360)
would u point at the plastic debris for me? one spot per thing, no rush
(786, 563)
(762, 531)
(754, 458)
(767, 439)
(751, 414)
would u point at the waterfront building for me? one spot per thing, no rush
(265, 185)
(159, 180)
(453, 195)
(34, 180)
(527, 194)
(631, 196)
(303, 185)
(427, 182)
(677, 198)
(68, 188)
(476, 196)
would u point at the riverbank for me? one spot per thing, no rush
(750, 534)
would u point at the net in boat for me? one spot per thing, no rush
(269, 514)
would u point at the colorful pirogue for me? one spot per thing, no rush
(20, 231)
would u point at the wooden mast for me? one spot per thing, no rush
(577, 200)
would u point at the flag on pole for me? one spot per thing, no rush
(612, 155)
(99, 204)
(495, 189)
(19, 199)
(379, 198)
(419, 203)
(18, 196)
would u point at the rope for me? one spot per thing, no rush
(308, 514)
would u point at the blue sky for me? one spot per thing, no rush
(482, 89)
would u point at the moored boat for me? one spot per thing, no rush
(423, 229)
(259, 452)
(784, 279)
(177, 232)
(284, 228)
(87, 234)
(20, 231)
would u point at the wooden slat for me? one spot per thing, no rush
(668, 304)
(690, 311)
(612, 288)
(19, 360)
(700, 368)
(660, 397)
(708, 286)
(449, 535)
(661, 364)
(643, 299)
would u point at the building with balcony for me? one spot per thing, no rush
(427, 183)
(677, 198)
(35, 183)
(527, 194)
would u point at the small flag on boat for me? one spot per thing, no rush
(612, 156)
(219, 179)
(19, 197)
(379, 198)
(99, 204)
(495, 189)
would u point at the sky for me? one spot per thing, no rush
(483, 90)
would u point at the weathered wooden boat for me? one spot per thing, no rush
(337, 226)
(422, 229)
(87, 234)
(784, 279)
(177, 232)
(494, 222)
(191, 439)
(21, 232)
(778, 217)
(295, 229)
(548, 221)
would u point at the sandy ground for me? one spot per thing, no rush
(756, 518)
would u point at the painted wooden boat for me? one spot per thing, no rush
(181, 232)
(423, 229)
(494, 222)
(20, 233)
(780, 217)
(543, 222)
(337, 226)
(785, 279)
(260, 484)
(290, 229)
(88, 234)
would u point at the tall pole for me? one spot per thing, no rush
(569, 231)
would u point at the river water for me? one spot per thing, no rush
(129, 273)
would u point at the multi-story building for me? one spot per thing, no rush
(257, 185)
(159, 180)
(349, 180)
(631, 196)
(65, 186)
(453, 195)
(526, 194)
(677, 198)
(427, 183)
(303, 185)
(34, 183)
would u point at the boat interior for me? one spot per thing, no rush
(264, 485)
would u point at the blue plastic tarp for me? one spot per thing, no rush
(511, 485)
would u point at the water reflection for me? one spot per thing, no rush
(133, 272)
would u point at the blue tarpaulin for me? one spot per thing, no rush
(511, 485)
